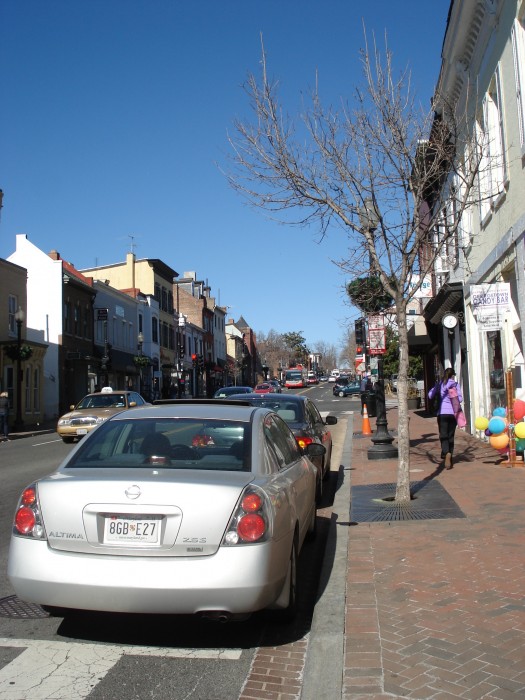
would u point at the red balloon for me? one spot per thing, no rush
(519, 409)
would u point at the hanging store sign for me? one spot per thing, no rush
(490, 303)
(424, 286)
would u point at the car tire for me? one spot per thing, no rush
(311, 533)
(327, 466)
(341, 393)
(288, 614)
(319, 489)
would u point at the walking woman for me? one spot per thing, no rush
(445, 415)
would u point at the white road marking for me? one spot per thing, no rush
(47, 442)
(52, 670)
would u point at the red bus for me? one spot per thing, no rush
(296, 377)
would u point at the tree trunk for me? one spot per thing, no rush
(403, 429)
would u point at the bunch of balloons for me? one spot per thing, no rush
(498, 430)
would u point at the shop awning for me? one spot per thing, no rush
(449, 298)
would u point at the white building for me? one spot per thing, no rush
(483, 73)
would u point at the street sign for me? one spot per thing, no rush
(377, 338)
(102, 314)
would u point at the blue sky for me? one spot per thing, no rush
(115, 115)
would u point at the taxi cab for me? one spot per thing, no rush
(95, 409)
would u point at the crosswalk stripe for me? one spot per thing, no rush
(70, 670)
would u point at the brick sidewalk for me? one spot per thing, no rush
(436, 608)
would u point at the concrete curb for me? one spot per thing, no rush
(323, 672)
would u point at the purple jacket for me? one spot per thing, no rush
(445, 406)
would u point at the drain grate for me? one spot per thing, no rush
(13, 607)
(430, 501)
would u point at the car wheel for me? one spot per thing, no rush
(311, 533)
(327, 466)
(68, 439)
(341, 393)
(319, 489)
(288, 613)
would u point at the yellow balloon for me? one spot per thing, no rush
(519, 430)
(481, 423)
(499, 442)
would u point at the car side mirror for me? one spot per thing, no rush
(330, 420)
(314, 449)
(132, 404)
(72, 407)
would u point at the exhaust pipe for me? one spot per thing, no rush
(217, 615)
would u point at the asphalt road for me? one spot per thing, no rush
(103, 656)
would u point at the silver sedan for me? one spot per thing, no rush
(185, 507)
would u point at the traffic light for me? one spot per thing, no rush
(194, 360)
(359, 331)
(201, 362)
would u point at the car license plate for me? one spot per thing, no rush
(131, 530)
(81, 431)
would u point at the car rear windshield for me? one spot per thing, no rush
(177, 443)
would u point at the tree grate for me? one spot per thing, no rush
(13, 607)
(374, 503)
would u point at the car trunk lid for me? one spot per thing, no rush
(149, 513)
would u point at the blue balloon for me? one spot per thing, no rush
(500, 411)
(496, 425)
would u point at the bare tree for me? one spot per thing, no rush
(378, 169)
(328, 354)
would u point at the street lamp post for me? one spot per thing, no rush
(382, 447)
(105, 357)
(19, 318)
(180, 341)
(180, 349)
(140, 342)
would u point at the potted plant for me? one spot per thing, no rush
(413, 398)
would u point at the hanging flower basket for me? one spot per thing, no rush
(141, 361)
(12, 352)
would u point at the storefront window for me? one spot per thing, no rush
(496, 373)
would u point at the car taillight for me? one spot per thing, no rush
(28, 521)
(251, 527)
(251, 521)
(303, 441)
(24, 520)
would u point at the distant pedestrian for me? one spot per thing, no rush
(445, 413)
(4, 414)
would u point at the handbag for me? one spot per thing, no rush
(456, 406)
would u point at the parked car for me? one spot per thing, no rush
(226, 391)
(95, 409)
(340, 382)
(276, 386)
(182, 507)
(263, 388)
(347, 389)
(303, 417)
(312, 378)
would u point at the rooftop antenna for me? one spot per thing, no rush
(133, 245)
